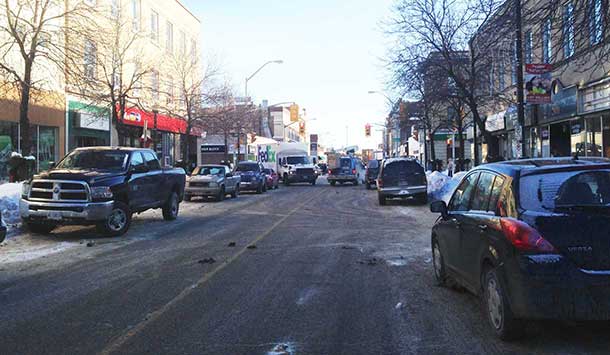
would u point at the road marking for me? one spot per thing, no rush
(116, 344)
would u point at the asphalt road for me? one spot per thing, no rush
(331, 272)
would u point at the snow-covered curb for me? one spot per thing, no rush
(10, 193)
(441, 186)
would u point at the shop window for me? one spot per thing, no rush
(47, 146)
(594, 137)
(578, 137)
(8, 143)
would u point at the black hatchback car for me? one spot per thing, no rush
(402, 178)
(532, 237)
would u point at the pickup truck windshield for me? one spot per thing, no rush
(95, 160)
(247, 167)
(205, 170)
(297, 160)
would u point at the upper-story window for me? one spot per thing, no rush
(547, 44)
(169, 37)
(154, 26)
(528, 42)
(135, 14)
(568, 30)
(182, 42)
(90, 59)
(154, 81)
(596, 19)
(115, 9)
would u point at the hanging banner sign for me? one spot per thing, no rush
(538, 83)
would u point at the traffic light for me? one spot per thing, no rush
(367, 130)
(302, 128)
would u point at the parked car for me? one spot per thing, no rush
(532, 238)
(212, 181)
(103, 186)
(252, 176)
(402, 178)
(371, 173)
(273, 179)
(347, 169)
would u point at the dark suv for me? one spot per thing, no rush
(252, 176)
(532, 237)
(372, 171)
(402, 178)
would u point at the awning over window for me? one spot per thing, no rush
(136, 117)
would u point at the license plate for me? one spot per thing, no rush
(403, 192)
(56, 216)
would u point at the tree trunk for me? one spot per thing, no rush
(432, 150)
(227, 147)
(24, 108)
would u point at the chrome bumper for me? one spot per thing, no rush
(403, 191)
(202, 191)
(93, 211)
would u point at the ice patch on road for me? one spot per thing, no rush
(401, 261)
(28, 252)
(282, 349)
(306, 296)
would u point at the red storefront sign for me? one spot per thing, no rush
(136, 117)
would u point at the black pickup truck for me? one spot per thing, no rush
(101, 186)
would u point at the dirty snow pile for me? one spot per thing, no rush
(441, 186)
(10, 194)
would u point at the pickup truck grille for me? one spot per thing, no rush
(199, 184)
(305, 171)
(59, 191)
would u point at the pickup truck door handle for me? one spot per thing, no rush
(483, 227)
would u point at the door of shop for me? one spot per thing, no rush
(560, 139)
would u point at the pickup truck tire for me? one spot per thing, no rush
(382, 200)
(40, 228)
(172, 207)
(259, 189)
(187, 198)
(286, 182)
(356, 182)
(313, 183)
(235, 192)
(221, 194)
(118, 221)
(332, 183)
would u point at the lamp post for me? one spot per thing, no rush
(278, 61)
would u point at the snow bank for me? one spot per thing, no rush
(441, 186)
(10, 194)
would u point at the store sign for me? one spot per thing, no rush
(133, 117)
(563, 105)
(212, 148)
(538, 83)
(595, 98)
(495, 122)
(92, 121)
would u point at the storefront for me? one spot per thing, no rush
(594, 107)
(46, 132)
(560, 131)
(87, 125)
(163, 133)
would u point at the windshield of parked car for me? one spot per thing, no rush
(297, 160)
(95, 160)
(247, 167)
(207, 170)
(373, 164)
(552, 191)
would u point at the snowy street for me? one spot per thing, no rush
(331, 273)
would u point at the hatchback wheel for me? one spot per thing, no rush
(439, 264)
(496, 307)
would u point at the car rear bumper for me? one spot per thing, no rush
(551, 287)
(249, 185)
(302, 178)
(404, 191)
(341, 177)
(202, 191)
(58, 212)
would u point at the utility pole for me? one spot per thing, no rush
(519, 60)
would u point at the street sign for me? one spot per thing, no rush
(212, 148)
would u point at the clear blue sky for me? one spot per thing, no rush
(332, 54)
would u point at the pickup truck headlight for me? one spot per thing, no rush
(101, 192)
(25, 189)
(213, 184)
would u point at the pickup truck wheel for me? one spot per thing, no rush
(313, 182)
(286, 182)
(171, 207)
(259, 189)
(117, 223)
(187, 198)
(382, 200)
(221, 194)
(332, 183)
(40, 228)
(356, 182)
(235, 192)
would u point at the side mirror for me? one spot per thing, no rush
(139, 169)
(52, 165)
(229, 175)
(439, 207)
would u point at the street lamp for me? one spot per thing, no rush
(278, 61)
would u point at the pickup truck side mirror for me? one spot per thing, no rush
(52, 165)
(138, 169)
(229, 175)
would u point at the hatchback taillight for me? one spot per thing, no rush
(354, 171)
(330, 171)
(524, 237)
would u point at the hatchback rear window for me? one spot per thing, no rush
(547, 192)
(404, 166)
(373, 164)
(345, 163)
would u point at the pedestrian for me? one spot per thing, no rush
(450, 167)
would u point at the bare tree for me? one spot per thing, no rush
(440, 34)
(33, 51)
(114, 67)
